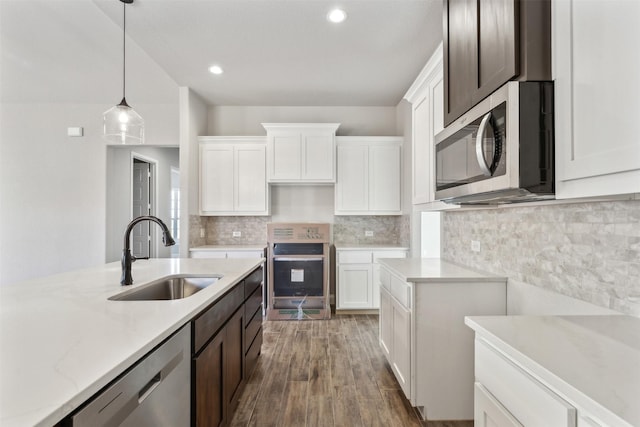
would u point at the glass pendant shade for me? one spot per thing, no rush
(122, 125)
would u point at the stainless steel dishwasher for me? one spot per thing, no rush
(154, 392)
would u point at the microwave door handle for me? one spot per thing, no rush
(482, 162)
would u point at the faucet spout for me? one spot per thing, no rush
(127, 258)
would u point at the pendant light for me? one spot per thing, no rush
(122, 125)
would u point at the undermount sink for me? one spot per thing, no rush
(168, 288)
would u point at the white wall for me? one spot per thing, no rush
(193, 123)
(354, 121)
(119, 178)
(52, 188)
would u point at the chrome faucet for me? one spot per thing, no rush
(127, 258)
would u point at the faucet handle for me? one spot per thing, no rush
(133, 258)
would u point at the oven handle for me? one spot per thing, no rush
(482, 162)
(298, 259)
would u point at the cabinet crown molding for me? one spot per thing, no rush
(434, 64)
(274, 126)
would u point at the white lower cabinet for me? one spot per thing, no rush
(426, 343)
(517, 394)
(358, 277)
(402, 345)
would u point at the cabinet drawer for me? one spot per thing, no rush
(354, 257)
(252, 329)
(388, 254)
(489, 412)
(252, 304)
(252, 282)
(213, 318)
(245, 254)
(401, 291)
(252, 354)
(208, 254)
(533, 404)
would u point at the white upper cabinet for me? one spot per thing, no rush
(369, 175)
(301, 152)
(427, 100)
(233, 176)
(596, 67)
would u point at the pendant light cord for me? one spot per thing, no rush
(124, 44)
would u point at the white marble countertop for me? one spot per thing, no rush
(370, 247)
(255, 247)
(417, 270)
(62, 340)
(591, 361)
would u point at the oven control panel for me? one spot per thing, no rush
(291, 232)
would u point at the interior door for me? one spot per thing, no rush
(141, 240)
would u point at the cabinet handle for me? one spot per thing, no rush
(482, 162)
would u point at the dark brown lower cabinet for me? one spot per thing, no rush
(209, 388)
(223, 354)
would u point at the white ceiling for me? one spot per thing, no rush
(274, 52)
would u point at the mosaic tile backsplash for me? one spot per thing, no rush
(393, 230)
(588, 251)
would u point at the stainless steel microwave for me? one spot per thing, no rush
(500, 151)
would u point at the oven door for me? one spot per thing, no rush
(298, 276)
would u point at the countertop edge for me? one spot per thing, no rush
(542, 374)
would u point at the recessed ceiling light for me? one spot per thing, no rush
(215, 69)
(337, 16)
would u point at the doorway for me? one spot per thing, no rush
(143, 174)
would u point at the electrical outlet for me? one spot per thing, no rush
(368, 233)
(202, 232)
(237, 233)
(475, 246)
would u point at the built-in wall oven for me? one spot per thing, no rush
(500, 151)
(299, 271)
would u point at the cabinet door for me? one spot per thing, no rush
(210, 405)
(386, 323)
(428, 121)
(597, 97)
(319, 157)
(234, 357)
(216, 178)
(460, 59)
(352, 185)
(285, 156)
(384, 179)
(250, 178)
(488, 412)
(401, 353)
(496, 47)
(355, 286)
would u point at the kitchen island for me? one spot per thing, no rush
(62, 340)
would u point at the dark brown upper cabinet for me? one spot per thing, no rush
(489, 42)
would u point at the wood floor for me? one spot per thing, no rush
(325, 373)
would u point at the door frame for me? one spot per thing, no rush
(153, 194)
